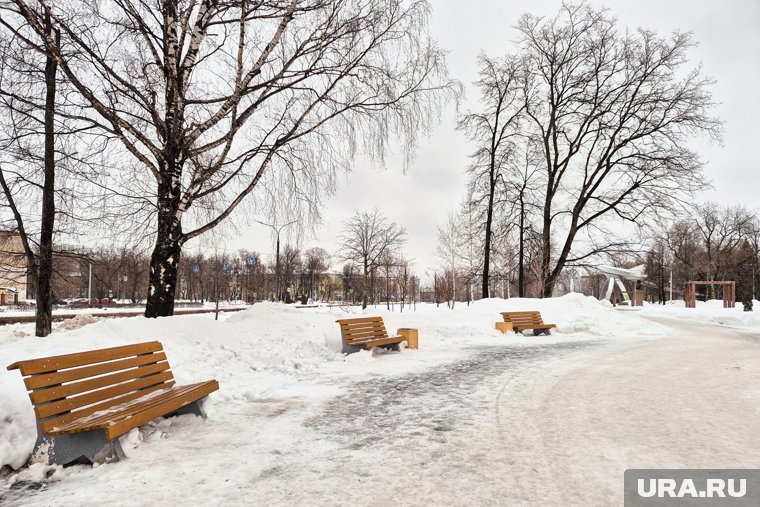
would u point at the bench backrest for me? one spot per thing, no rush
(523, 318)
(68, 387)
(361, 329)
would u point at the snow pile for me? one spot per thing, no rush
(37, 473)
(80, 320)
(17, 425)
(269, 348)
(709, 311)
(574, 314)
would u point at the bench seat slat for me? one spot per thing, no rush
(358, 320)
(54, 393)
(377, 343)
(59, 420)
(377, 331)
(54, 363)
(374, 329)
(75, 402)
(369, 325)
(363, 335)
(364, 329)
(371, 338)
(122, 418)
(59, 377)
(168, 407)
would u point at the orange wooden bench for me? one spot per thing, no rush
(527, 320)
(84, 401)
(366, 333)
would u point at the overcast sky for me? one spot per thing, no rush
(728, 33)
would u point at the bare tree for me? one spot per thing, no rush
(290, 266)
(29, 93)
(722, 229)
(349, 282)
(450, 242)
(366, 238)
(613, 112)
(524, 186)
(469, 254)
(494, 130)
(404, 281)
(387, 263)
(214, 99)
(315, 262)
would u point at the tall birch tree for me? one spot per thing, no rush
(210, 98)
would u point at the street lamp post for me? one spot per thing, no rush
(277, 229)
(670, 268)
(123, 287)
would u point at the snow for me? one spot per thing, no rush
(269, 346)
(296, 420)
(711, 312)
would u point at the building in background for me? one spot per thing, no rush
(13, 268)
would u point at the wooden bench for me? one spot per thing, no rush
(366, 333)
(84, 401)
(527, 320)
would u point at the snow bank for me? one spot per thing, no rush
(709, 311)
(17, 425)
(271, 347)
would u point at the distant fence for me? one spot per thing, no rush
(20, 319)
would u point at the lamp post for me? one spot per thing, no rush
(670, 268)
(277, 229)
(123, 287)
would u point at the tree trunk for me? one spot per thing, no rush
(487, 254)
(44, 316)
(164, 261)
(551, 279)
(366, 285)
(521, 252)
(548, 284)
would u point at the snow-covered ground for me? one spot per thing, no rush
(296, 422)
(710, 312)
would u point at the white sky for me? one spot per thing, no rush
(728, 33)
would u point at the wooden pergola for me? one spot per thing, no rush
(729, 293)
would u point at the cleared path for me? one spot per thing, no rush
(691, 401)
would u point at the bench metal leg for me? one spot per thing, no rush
(537, 332)
(350, 349)
(195, 408)
(77, 448)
